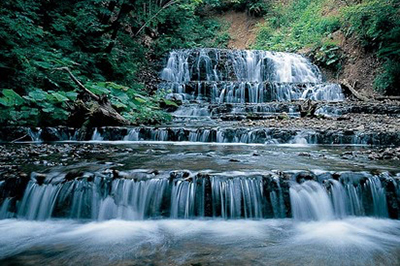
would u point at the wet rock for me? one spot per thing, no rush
(73, 175)
(39, 178)
(305, 154)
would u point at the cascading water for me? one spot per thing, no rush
(133, 201)
(229, 196)
(238, 76)
(312, 201)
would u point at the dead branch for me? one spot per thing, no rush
(15, 140)
(347, 85)
(155, 15)
(78, 83)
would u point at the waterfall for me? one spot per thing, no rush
(244, 76)
(188, 196)
(35, 134)
(313, 201)
(4, 209)
(210, 133)
(96, 135)
(38, 201)
(310, 201)
(133, 135)
(240, 65)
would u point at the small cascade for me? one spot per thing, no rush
(310, 201)
(301, 138)
(38, 202)
(4, 209)
(184, 195)
(244, 135)
(378, 196)
(318, 201)
(35, 134)
(96, 135)
(133, 135)
(238, 65)
(235, 198)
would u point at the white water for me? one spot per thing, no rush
(252, 66)
(240, 76)
(312, 201)
(229, 196)
(35, 134)
(96, 135)
(355, 241)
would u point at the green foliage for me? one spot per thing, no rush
(298, 25)
(256, 8)
(102, 42)
(307, 26)
(131, 102)
(388, 81)
(38, 107)
(377, 26)
(328, 55)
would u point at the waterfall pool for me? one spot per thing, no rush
(351, 241)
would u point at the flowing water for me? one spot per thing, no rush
(202, 191)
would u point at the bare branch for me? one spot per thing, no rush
(77, 82)
(155, 15)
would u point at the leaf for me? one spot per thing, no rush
(13, 97)
(117, 104)
(115, 86)
(331, 61)
(59, 97)
(44, 65)
(48, 109)
(140, 99)
(71, 95)
(98, 89)
(6, 102)
(38, 95)
(170, 103)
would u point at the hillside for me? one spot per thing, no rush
(350, 40)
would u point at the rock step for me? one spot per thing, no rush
(252, 92)
(204, 134)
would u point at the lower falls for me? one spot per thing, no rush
(183, 195)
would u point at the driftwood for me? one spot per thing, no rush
(350, 88)
(91, 110)
(383, 98)
(18, 139)
(308, 108)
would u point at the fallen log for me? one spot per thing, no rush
(383, 98)
(346, 85)
(91, 110)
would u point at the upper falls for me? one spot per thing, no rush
(244, 76)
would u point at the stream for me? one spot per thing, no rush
(202, 189)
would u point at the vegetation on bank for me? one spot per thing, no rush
(309, 25)
(107, 45)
